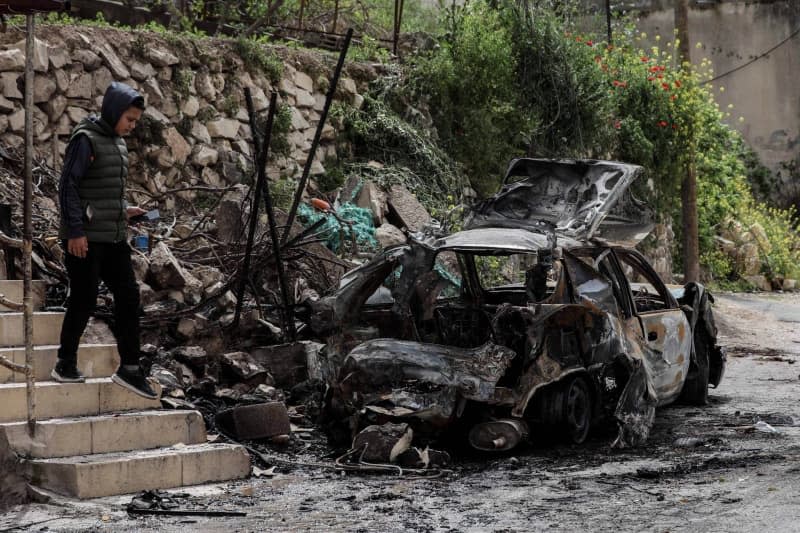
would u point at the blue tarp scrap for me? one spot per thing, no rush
(362, 227)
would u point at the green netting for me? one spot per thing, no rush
(339, 236)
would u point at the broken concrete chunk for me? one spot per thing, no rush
(382, 444)
(389, 235)
(194, 356)
(290, 363)
(253, 422)
(411, 213)
(165, 271)
(245, 368)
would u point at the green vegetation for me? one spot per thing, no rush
(256, 56)
(514, 78)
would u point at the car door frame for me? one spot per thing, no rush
(666, 332)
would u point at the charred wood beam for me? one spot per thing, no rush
(263, 191)
(317, 135)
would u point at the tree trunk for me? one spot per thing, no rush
(691, 246)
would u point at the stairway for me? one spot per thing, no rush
(96, 438)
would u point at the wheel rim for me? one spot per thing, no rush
(577, 410)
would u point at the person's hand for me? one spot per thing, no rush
(79, 247)
(134, 210)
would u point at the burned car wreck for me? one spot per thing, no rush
(538, 317)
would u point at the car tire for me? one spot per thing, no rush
(695, 388)
(577, 409)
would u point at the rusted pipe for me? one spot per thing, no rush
(14, 367)
(5, 240)
(298, 195)
(27, 233)
(11, 304)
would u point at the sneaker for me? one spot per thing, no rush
(67, 373)
(135, 382)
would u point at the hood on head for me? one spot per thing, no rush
(118, 98)
(583, 199)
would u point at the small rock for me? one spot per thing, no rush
(304, 81)
(89, 59)
(348, 85)
(789, 285)
(80, 86)
(162, 58)
(177, 144)
(244, 366)
(205, 156)
(191, 107)
(7, 106)
(304, 99)
(187, 327)
(101, 78)
(388, 235)
(224, 127)
(142, 71)
(12, 60)
(200, 132)
(76, 114)
(43, 89)
(16, 121)
(58, 57)
(11, 88)
(112, 60)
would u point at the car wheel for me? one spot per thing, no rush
(577, 409)
(695, 388)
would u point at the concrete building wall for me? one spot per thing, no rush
(766, 93)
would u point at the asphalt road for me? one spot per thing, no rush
(704, 469)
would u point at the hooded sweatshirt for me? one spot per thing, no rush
(92, 184)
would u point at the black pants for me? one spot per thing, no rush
(110, 263)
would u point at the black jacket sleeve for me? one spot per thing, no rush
(76, 161)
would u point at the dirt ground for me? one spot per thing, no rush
(703, 469)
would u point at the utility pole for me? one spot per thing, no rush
(608, 21)
(691, 245)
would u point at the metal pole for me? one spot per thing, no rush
(300, 18)
(262, 190)
(27, 234)
(317, 135)
(335, 14)
(608, 20)
(394, 30)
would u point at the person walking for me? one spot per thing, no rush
(93, 229)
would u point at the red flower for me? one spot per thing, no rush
(678, 84)
(650, 78)
(674, 126)
(665, 86)
(578, 39)
(618, 83)
(673, 97)
(589, 43)
(617, 124)
(645, 59)
(598, 59)
(660, 76)
(663, 124)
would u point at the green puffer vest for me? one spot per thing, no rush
(102, 188)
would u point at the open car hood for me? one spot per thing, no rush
(586, 200)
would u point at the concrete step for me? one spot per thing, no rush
(46, 328)
(95, 476)
(144, 430)
(61, 400)
(12, 289)
(94, 360)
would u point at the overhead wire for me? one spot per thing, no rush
(760, 56)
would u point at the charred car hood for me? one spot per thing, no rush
(584, 200)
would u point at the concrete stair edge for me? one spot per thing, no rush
(124, 473)
(126, 432)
